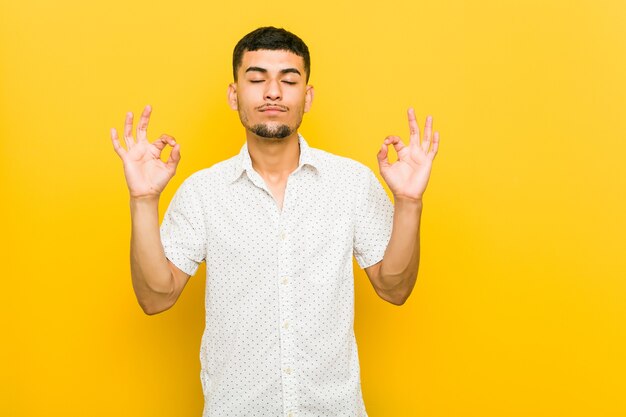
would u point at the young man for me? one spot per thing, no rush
(277, 226)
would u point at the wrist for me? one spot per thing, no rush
(408, 201)
(144, 200)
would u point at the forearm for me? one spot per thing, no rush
(151, 276)
(401, 261)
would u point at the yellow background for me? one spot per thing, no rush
(520, 306)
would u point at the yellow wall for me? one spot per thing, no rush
(520, 306)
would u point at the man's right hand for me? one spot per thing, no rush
(146, 174)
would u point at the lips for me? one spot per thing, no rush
(272, 109)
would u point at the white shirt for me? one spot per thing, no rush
(279, 332)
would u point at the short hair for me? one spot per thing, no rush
(273, 39)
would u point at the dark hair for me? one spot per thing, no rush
(273, 39)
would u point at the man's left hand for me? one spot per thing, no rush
(408, 176)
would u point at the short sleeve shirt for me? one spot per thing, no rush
(279, 331)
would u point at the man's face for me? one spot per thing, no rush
(271, 94)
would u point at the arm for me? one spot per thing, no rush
(394, 277)
(156, 281)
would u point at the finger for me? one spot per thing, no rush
(435, 147)
(170, 139)
(397, 143)
(428, 133)
(142, 126)
(128, 130)
(172, 161)
(116, 144)
(413, 128)
(382, 155)
(163, 140)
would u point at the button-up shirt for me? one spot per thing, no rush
(279, 332)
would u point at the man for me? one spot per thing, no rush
(277, 226)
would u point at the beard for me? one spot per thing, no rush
(271, 131)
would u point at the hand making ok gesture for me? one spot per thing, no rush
(408, 176)
(146, 174)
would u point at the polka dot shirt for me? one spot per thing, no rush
(279, 332)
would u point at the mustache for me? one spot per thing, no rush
(265, 106)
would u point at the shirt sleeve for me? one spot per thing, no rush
(374, 221)
(183, 230)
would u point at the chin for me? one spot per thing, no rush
(271, 131)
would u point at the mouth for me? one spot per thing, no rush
(272, 109)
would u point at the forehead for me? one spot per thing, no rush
(271, 60)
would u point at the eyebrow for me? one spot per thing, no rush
(283, 71)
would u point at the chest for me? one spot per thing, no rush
(258, 254)
(252, 221)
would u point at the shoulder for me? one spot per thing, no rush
(207, 182)
(337, 165)
(218, 173)
(349, 175)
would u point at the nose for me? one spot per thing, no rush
(273, 91)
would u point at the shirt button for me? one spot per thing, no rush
(286, 324)
(285, 280)
(283, 235)
(288, 371)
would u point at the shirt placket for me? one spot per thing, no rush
(285, 293)
(284, 237)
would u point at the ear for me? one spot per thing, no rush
(308, 98)
(232, 96)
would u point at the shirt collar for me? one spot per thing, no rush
(244, 163)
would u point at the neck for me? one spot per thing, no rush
(274, 158)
